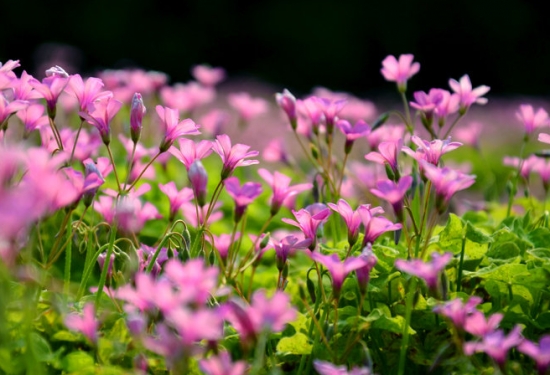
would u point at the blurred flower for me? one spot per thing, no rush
(530, 119)
(176, 197)
(287, 102)
(545, 138)
(286, 247)
(363, 273)
(247, 106)
(87, 323)
(394, 193)
(457, 311)
(221, 364)
(496, 344)
(207, 75)
(327, 368)
(468, 96)
(282, 190)
(352, 133)
(428, 271)
(387, 155)
(540, 353)
(33, 118)
(399, 71)
(242, 195)
(188, 97)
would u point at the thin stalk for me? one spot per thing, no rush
(453, 125)
(342, 175)
(114, 168)
(56, 134)
(143, 171)
(103, 277)
(130, 166)
(460, 265)
(406, 327)
(517, 177)
(76, 140)
(53, 253)
(408, 123)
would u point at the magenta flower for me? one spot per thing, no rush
(263, 314)
(399, 71)
(469, 134)
(468, 96)
(199, 180)
(33, 118)
(51, 87)
(22, 89)
(137, 111)
(352, 133)
(375, 226)
(428, 271)
(222, 243)
(222, 364)
(276, 151)
(540, 353)
(309, 222)
(387, 155)
(189, 151)
(312, 111)
(282, 190)
(338, 270)
(457, 311)
(100, 114)
(176, 197)
(351, 218)
(327, 368)
(173, 127)
(215, 121)
(195, 280)
(186, 98)
(88, 92)
(242, 195)
(232, 157)
(363, 273)
(87, 323)
(287, 247)
(394, 193)
(247, 106)
(530, 119)
(430, 151)
(496, 344)
(446, 182)
(287, 102)
(476, 323)
(330, 110)
(9, 108)
(207, 75)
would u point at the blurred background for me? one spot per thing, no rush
(289, 43)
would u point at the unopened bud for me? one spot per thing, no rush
(136, 117)
(287, 102)
(199, 179)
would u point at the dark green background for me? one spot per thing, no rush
(295, 44)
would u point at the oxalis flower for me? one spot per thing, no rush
(309, 220)
(327, 368)
(496, 344)
(173, 127)
(428, 271)
(399, 71)
(232, 156)
(282, 190)
(100, 114)
(87, 323)
(242, 195)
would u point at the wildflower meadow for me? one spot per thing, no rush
(157, 228)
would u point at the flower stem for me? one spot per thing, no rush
(103, 276)
(406, 327)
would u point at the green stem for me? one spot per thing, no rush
(103, 277)
(460, 265)
(143, 171)
(76, 140)
(406, 327)
(408, 123)
(114, 168)
(68, 259)
(259, 354)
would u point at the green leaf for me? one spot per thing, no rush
(67, 336)
(476, 235)
(381, 320)
(78, 362)
(298, 344)
(540, 237)
(504, 250)
(450, 237)
(41, 349)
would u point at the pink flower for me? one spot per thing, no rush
(221, 364)
(189, 151)
(428, 271)
(286, 247)
(394, 193)
(137, 111)
(100, 113)
(9, 108)
(51, 87)
(375, 226)
(330, 110)
(352, 133)
(187, 98)
(363, 273)
(540, 353)
(468, 96)
(309, 220)
(327, 368)
(282, 190)
(431, 151)
(242, 195)
(476, 323)
(207, 75)
(33, 118)
(530, 119)
(247, 106)
(232, 157)
(276, 151)
(399, 71)
(287, 102)
(545, 138)
(173, 127)
(496, 344)
(351, 218)
(88, 92)
(387, 155)
(87, 323)
(215, 121)
(338, 270)
(446, 182)
(458, 311)
(469, 134)
(8, 66)
(176, 198)
(222, 243)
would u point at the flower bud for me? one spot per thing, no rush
(199, 179)
(287, 102)
(136, 116)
